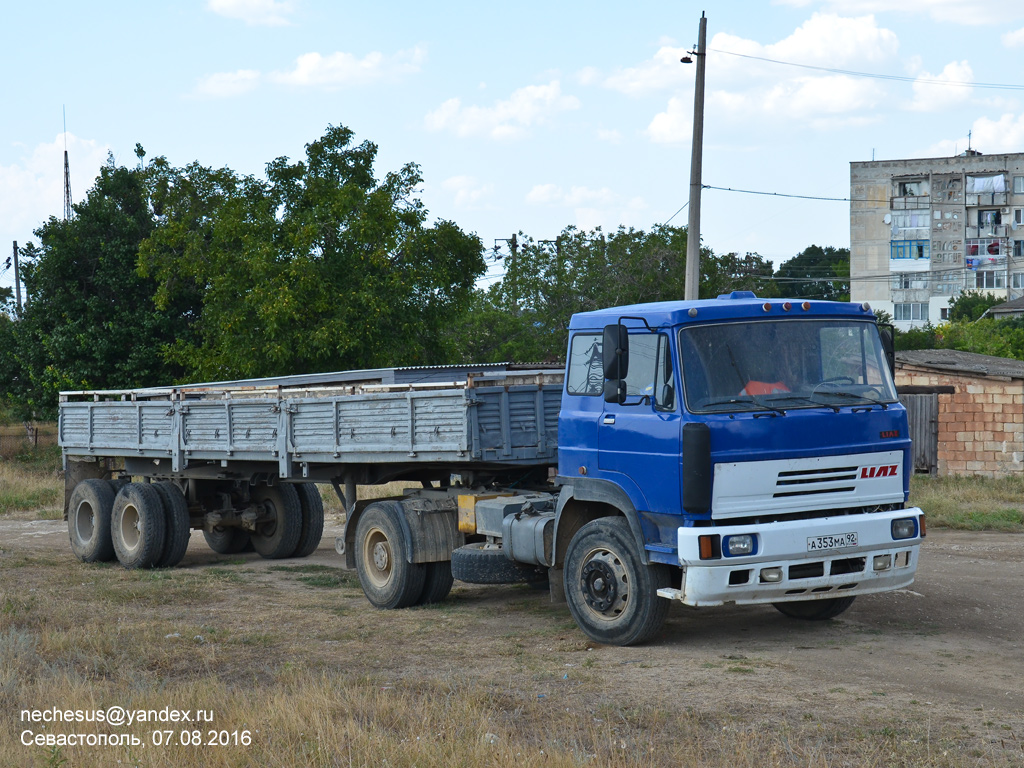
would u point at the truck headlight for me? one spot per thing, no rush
(741, 544)
(904, 528)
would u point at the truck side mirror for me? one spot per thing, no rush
(888, 336)
(615, 391)
(615, 351)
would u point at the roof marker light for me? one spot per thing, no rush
(692, 312)
(866, 307)
(766, 307)
(786, 307)
(805, 306)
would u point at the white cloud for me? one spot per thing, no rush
(468, 192)
(344, 69)
(1014, 39)
(610, 135)
(930, 97)
(674, 125)
(267, 13)
(591, 207)
(32, 189)
(525, 108)
(960, 12)
(227, 84)
(662, 71)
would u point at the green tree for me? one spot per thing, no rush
(320, 267)
(89, 320)
(816, 273)
(971, 305)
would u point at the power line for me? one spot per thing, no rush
(781, 194)
(876, 76)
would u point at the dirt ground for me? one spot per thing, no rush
(950, 648)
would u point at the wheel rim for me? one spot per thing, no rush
(605, 585)
(268, 528)
(85, 522)
(130, 533)
(378, 557)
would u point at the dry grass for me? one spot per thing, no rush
(293, 654)
(30, 482)
(971, 503)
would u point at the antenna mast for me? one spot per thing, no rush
(67, 172)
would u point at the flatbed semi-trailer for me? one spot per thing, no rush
(733, 450)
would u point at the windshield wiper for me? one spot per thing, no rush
(852, 396)
(741, 401)
(801, 399)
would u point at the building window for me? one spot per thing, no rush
(1017, 280)
(910, 311)
(1018, 216)
(1018, 249)
(990, 278)
(989, 217)
(915, 219)
(1018, 185)
(982, 247)
(901, 281)
(914, 188)
(909, 249)
(944, 313)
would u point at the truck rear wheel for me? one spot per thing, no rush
(437, 584)
(312, 520)
(611, 593)
(482, 563)
(387, 578)
(178, 529)
(815, 610)
(89, 511)
(137, 526)
(279, 536)
(228, 541)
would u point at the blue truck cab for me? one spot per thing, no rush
(754, 450)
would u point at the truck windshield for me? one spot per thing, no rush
(782, 365)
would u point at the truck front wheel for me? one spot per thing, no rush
(611, 593)
(387, 578)
(815, 610)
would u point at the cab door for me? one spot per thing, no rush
(639, 442)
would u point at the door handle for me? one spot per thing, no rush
(609, 419)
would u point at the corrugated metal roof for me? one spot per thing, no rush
(955, 361)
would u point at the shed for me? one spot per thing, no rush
(970, 406)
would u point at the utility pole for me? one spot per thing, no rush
(67, 174)
(696, 154)
(17, 282)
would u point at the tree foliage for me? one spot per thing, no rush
(816, 273)
(320, 267)
(971, 305)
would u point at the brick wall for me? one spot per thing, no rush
(981, 425)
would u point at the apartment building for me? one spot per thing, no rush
(922, 231)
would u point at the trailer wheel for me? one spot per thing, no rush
(387, 578)
(312, 520)
(611, 593)
(815, 610)
(178, 528)
(279, 536)
(137, 526)
(482, 563)
(89, 510)
(437, 584)
(228, 541)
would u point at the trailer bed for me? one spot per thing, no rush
(497, 415)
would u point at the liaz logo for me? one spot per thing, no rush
(883, 471)
(889, 433)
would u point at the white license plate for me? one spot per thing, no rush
(836, 541)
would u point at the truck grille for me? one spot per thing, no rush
(814, 481)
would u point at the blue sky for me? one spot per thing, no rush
(523, 116)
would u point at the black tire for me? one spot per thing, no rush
(481, 563)
(387, 578)
(815, 610)
(137, 526)
(89, 511)
(178, 530)
(312, 520)
(437, 584)
(611, 593)
(278, 537)
(228, 541)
